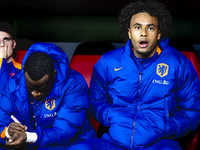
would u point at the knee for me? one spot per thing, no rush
(82, 146)
(167, 144)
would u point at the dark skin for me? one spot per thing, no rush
(39, 90)
(17, 133)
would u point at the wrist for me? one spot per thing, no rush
(7, 134)
(31, 137)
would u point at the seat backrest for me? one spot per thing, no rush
(85, 57)
(191, 140)
(21, 49)
(188, 50)
(194, 60)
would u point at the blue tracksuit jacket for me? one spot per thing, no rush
(62, 118)
(143, 106)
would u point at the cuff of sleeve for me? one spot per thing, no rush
(38, 131)
(3, 133)
(31, 137)
(6, 132)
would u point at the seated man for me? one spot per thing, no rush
(8, 66)
(49, 100)
(147, 95)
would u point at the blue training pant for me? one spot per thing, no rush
(102, 144)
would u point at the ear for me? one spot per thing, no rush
(159, 35)
(54, 73)
(129, 33)
(14, 44)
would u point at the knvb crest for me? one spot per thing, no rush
(50, 104)
(162, 69)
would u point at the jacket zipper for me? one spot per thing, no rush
(138, 107)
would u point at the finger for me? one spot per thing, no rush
(25, 128)
(18, 141)
(17, 126)
(14, 137)
(7, 141)
(2, 52)
(6, 49)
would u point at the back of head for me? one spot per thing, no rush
(151, 7)
(38, 65)
(6, 27)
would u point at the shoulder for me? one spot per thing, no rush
(110, 57)
(75, 79)
(173, 54)
(177, 60)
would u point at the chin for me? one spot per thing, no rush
(145, 54)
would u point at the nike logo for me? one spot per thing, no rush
(11, 74)
(116, 69)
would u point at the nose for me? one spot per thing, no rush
(143, 32)
(35, 93)
(2, 43)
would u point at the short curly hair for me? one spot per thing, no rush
(153, 8)
(38, 65)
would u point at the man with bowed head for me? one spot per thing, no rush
(147, 92)
(50, 101)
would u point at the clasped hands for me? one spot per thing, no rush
(17, 134)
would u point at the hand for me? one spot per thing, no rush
(17, 139)
(17, 133)
(3, 52)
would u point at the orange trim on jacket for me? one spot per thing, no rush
(3, 133)
(158, 50)
(16, 64)
(1, 61)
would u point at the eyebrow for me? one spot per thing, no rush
(139, 24)
(8, 38)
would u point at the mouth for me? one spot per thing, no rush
(37, 98)
(143, 43)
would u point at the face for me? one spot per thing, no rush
(7, 44)
(39, 89)
(144, 34)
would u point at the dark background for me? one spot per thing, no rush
(89, 20)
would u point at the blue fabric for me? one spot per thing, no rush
(143, 63)
(97, 144)
(102, 144)
(141, 107)
(163, 43)
(53, 148)
(165, 144)
(7, 70)
(62, 118)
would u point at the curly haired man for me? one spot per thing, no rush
(147, 93)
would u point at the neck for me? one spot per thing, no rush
(9, 59)
(147, 54)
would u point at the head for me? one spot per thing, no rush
(7, 40)
(145, 14)
(39, 75)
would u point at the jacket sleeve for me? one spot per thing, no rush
(5, 111)
(101, 106)
(70, 117)
(187, 116)
(4, 75)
